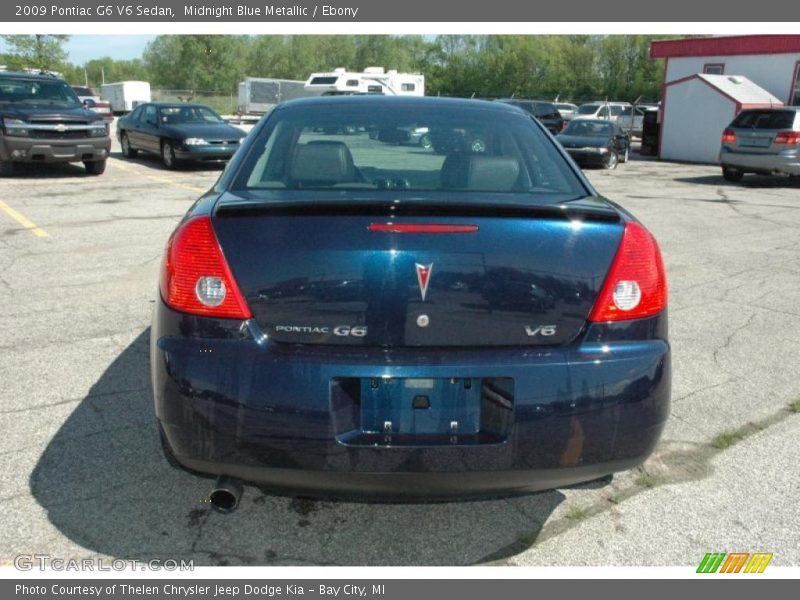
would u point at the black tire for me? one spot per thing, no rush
(611, 160)
(425, 141)
(127, 150)
(732, 175)
(95, 167)
(168, 155)
(6, 168)
(477, 146)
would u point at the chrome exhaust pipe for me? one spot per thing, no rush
(226, 493)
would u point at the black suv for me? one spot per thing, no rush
(42, 120)
(545, 112)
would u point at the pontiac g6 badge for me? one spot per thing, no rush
(423, 278)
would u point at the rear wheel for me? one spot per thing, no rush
(95, 167)
(611, 160)
(127, 151)
(733, 175)
(168, 155)
(6, 168)
(425, 141)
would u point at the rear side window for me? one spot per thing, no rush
(765, 119)
(544, 110)
(375, 146)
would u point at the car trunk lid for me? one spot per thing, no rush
(388, 274)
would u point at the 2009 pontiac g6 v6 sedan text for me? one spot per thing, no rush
(344, 315)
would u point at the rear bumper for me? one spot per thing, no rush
(266, 412)
(19, 149)
(788, 164)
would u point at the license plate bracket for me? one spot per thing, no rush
(381, 410)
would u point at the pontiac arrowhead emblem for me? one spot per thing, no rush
(423, 278)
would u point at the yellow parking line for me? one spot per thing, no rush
(23, 220)
(157, 178)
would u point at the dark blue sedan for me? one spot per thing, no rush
(341, 315)
(178, 133)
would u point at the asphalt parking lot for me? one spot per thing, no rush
(84, 475)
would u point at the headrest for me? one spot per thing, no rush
(480, 173)
(321, 163)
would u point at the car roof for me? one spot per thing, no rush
(523, 100)
(400, 101)
(31, 76)
(599, 121)
(164, 104)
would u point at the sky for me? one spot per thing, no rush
(82, 48)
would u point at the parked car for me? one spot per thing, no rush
(631, 119)
(446, 140)
(410, 135)
(92, 101)
(765, 141)
(178, 132)
(43, 121)
(567, 110)
(492, 325)
(545, 112)
(601, 110)
(596, 142)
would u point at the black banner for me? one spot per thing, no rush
(392, 589)
(459, 11)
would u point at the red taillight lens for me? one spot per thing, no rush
(636, 285)
(195, 277)
(791, 138)
(728, 136)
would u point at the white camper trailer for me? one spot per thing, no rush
(124, 96)
(374, 80)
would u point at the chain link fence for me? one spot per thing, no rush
(225, 103)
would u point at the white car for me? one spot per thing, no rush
(632, 118)
(567, 110)
(92, 101)
(601, 110)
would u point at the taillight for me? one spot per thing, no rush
(728, 136)
(421, 228)
(791, 138)
(196, 278)
(636, 285)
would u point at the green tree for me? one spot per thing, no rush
(196, 62)
(45, 52)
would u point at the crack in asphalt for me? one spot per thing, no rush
(673, 462)
(728, 341)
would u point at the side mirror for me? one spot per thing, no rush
(88, 103)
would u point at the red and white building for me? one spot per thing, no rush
(771, 62)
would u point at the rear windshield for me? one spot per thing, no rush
(83, 91)
(383, 147)
(589, 129)
(765, 119)
(545, 110)
(588, 109)
(38, 93)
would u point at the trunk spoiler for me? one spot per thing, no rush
(576, 210)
